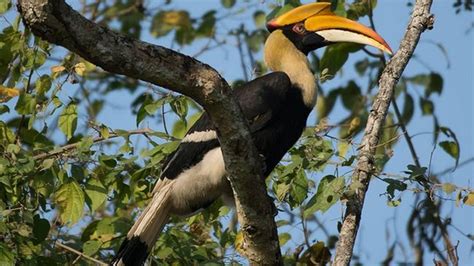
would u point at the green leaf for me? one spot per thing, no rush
(432, 82)
(299, 188)
(451, 148)
(326, 103)
(427, 106)
(96, 194)
(104, 131)
(180, 107)
(40, 229)
(450, 134)
(108, 161)
(361, 66)
(408, 108)
(13, 148)
(259, 18)
(330, 189)
(336, 55)
(185, 36)
(6, 255)
(46, 164)
(26, 104)
(352, 98)
(4, 6)
(207, 26)
(142, 112)
(228, 3)
(435, 85)
(91, 247)
(4, 109)
(393, 185)
(338, 7)
(165, 21)
(70, 200)
(255, 40)
(360, 9)
(281, 190)
(67, 121)
(43, 84)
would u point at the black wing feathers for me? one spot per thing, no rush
(262, 97)
(189, 153)
(260, 100)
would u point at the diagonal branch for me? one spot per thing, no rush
(81, 255)
(58, 23)
(421, 19)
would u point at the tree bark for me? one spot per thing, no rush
(58, 23)
(421, 19)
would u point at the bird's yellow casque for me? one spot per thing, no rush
(319, 18)
(300, 14)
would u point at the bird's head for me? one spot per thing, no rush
(314, 25)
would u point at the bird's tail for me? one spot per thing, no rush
(144, 233)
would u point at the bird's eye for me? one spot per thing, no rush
(299, 28)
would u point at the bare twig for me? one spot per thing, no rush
(73, 146)
(451, 169)
(241, 53)
(420, 21)
(81, 255)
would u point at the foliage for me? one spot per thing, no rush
(67, 177)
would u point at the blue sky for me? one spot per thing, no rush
(454, 109)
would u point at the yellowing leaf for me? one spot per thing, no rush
(79, 68)
(355, 123)
(283, 238)
(7, 93)
(56, 69)
(165, 21)
(343, 147)
(239, 243)
(104, 132)
(449, 188)
(469, 199)
(176, 18)
(70, 200)
(317, 254)
(67, 121)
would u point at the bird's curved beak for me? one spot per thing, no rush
(318, 18)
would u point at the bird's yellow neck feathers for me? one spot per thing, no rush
(282, 55)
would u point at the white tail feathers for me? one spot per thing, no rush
(144, 233)
(150, 223)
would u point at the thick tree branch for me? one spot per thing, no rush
(420, 21)
(58, 23)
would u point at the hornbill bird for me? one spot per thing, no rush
(276, 105)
